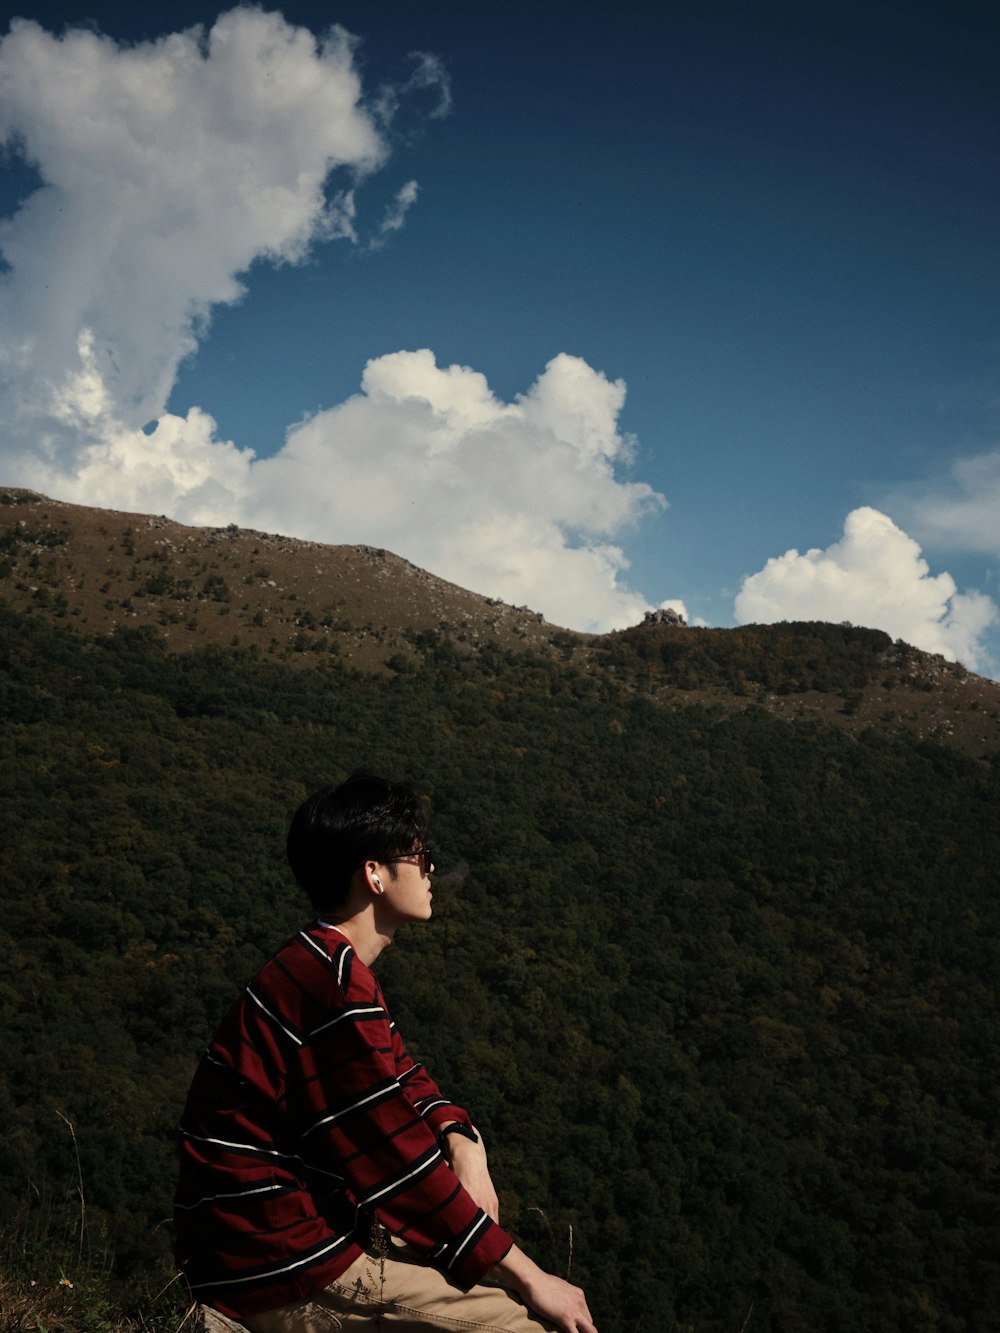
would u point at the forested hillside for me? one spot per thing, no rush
(719, 984)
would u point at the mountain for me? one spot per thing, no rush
(289, 599)
(296, 602)
(715, 941)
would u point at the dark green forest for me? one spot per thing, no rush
(720, 989)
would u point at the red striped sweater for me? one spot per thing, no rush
(305, 1120)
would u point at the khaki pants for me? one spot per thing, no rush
(398, 1293)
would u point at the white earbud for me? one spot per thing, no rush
(378, 882)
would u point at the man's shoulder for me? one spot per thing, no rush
(320, 959)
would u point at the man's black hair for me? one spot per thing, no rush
(338, 828)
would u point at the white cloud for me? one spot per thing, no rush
(961, 513)
(169, 168)
(874, 576)
(429, 75)
(179, 468)
(516, 500)
(528, 492)
(395, 214)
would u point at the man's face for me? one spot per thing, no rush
(407, 886)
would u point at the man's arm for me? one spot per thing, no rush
(466, 1158)
(468, 1161)
(560, 1302)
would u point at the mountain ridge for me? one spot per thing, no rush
(302, 602)
(115, 568)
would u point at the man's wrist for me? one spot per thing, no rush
(456, 1127)
(515, 1270)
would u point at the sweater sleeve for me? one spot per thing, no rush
(352, 1105)
(421, 1090)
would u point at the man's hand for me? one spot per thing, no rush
(468, 1161)
(560, 1302)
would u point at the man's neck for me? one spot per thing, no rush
(360, 928)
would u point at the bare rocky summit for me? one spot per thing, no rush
(664, 615)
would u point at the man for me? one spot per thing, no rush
(326, 1183)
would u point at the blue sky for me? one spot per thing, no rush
(775, 224)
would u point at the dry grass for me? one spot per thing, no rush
(89, 1304)
(97, 570)
(56, 1270)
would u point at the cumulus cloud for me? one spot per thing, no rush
(168, 168)
(518, 500)
(876, 576)
(514, 499)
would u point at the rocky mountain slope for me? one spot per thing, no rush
(99, 570)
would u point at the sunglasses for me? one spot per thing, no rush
(423, 855)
